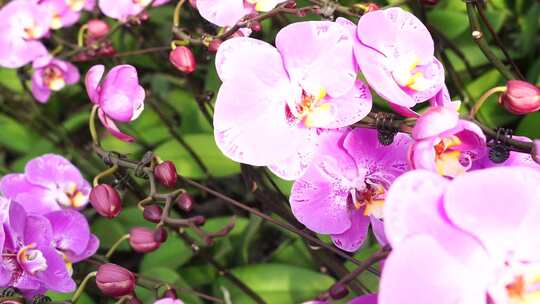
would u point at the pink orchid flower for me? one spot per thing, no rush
(273, 100)
(228, 12)
(22, 23)
(395, 53)
(123, 9)
(444, 143)
(51, 75)
(119, 96)
(515, 159)
(473, 239)
(343, 190)
(65, 13)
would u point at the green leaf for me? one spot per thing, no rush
(14, 135)
(10, 80)
(199, 275)
(293, 253)
(172, 254)
(529, 126)
(491, 113)
(276, 283)
(109, 231)
(56, 296)
(249, 235)
(205, 148)
(450, 23)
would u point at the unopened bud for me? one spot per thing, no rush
(185, 202)
(152, 213)
(160, 235)
(520, 97)
(114, 280)
(338, 291)
(142, 240)
(165, 174)
(97, 29)
(182, 58)
(106, 200)
(371, 7)
(170, 293)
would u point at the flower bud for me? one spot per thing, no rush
(152, 213)
(97, 29)
(255, 26)
(142, 240)
(182, 58)
(430, 2)
(160, 235)
(106, 200)
(114, 280)
(520, 97)
(185, 202)
(371, 7)
(170, 293)
(165, 174)
(338, 291)
(214, 45)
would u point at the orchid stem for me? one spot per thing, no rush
(80, 35)
(115, 245)
(104, 173)
(176, 16)
(92, 125)
(483, 99)
(82, 286)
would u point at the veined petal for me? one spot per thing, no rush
(352, 238)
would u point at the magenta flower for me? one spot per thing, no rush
(272, 101)
(469, 240)
(123, 9)
(119, 96)
(51, 75)
(515, 159)
(345, 187)
(63, 13)
(49, 183)
(23, 23)
(395, 54)
(169, 301)
(445, 144)
(228, 12)
(29, 260)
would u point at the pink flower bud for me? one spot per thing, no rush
(182, 58)
(165, 174)
(338, 291)
(170, 293)
(520, 97)
(114, 280)
(185, 202)
(106, 200)
(372, 7)
(160, 235)
(142, 240)
(214, 45)
(255, 26)
(97, 28)
(152, 213)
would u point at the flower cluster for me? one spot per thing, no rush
(43, 234)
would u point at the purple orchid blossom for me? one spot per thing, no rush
(29, 261)
(23, 23)
(468, 240)
(123, 9)
(446, 144)
(51, 75)
(343, 190)
(395, 53)
(228, 12)
(119, 96)
(65, 13)
(270, 107)
(49, 183)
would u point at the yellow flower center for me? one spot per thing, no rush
(405, 76)
(75, 5)
(525, 289)
(142, 3)
(447, 161)
(56, 21)
(53, 78)
(262, 5)
(372, 198)
(312, 110)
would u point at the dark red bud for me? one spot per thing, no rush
(182, 58)
(142, 240)
(338, 291)
(430, 2)
(106, 200)
(199, 220)
(214, 45)
(160, 235)
(520, 97)
(152, 213)
(372, 7)
(255, 26)
(185, 202)
(97, 28)
(114, 280)
(170, 293)
(165, 174)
